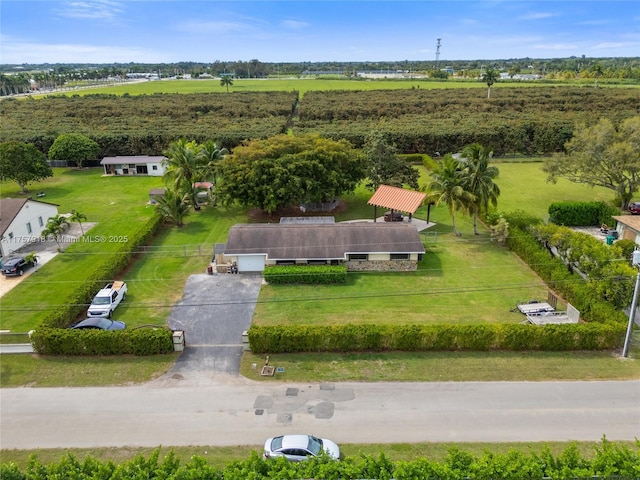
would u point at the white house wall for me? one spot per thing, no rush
(27, 226)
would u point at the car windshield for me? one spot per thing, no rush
(315, 445)
(101, 301)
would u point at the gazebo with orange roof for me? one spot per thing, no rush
(396, 199)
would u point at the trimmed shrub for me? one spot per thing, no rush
(305, 274)
(63, 341)
(576, 214)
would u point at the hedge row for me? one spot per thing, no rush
(359, 338)
(560, 279)
(578, 214)
(64, 341)
(305, 274)
(610, 461)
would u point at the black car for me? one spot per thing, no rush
(16, 266)
(99, 323)
(634, 208)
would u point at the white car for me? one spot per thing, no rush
(296, 448)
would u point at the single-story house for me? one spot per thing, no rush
(359, 246)
(22, 221)
(134, 165)
(628, 227)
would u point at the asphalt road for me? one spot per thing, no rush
(219, 409)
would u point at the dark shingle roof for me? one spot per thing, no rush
(10, 207)
(328, 241)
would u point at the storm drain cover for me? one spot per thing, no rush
(259, 411)
(292, 392)
(284, 418)
(324, 410)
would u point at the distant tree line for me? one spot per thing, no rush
(16, 79)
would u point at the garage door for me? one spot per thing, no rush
(251, 263)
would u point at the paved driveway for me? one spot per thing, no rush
(213, 313)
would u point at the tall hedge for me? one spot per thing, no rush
(392, 337)
(578, 214)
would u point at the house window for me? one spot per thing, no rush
(399, 256)
(154, 167)
(285, 262)
(28, 227)
(40, 222)
(358, 256)
(10, 234)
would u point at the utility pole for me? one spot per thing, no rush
(438, 53)
(632, 314)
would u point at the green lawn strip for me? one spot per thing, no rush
(305, 85)
(221, 456)
(446, 366)
(19, 370)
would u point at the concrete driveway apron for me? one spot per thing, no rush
(213, 313)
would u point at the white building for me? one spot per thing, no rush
(22, 221)
(134, 165)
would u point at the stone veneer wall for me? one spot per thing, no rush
(382, 265)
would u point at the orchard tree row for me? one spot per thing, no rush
(147, 124)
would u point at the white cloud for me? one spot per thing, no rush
(93, 9)
(556, 46)
(536, 16)
(16, 51)
(294, 24)
(214, 27)
(605, 45)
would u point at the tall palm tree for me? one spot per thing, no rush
(54, 228)
(226, 81)
(479, 177)
(597, 72)
(185, 165)
(448, 185)
(78, 217)
(212, 154)
(490, 76)
(173, 207)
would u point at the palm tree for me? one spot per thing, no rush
(448, 186)
(226, 81)
(597, 71)
(490, 76)
(212, 154)
(479, 180)
(185, 165)
(55, 227)
(173, 207)
(78, 217)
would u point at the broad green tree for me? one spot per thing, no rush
(184, 166)
(78, 217)
(226, 81)
(448, 186)
(490, 76)
(479, 176)
(23, 163)
(74, 147)
(384, 166)
(173, 206)
(286, 170)
(602, 156)
(54, 228)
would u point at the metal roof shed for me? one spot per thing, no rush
(395, 198)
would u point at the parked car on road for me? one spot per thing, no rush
(99, 323)
(634, 208)
(297, 448)
(16, 266)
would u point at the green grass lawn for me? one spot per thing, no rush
(293, 84)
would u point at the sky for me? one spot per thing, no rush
(168, 31)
